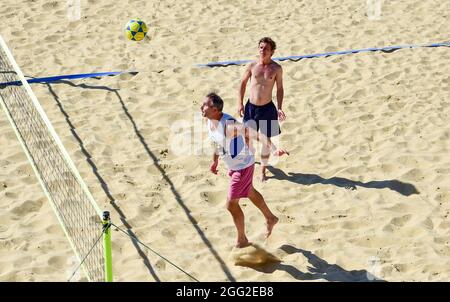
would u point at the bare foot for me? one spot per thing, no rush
(271, 222)
(263, 177)
(242, 244)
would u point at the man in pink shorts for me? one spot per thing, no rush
(232, 141)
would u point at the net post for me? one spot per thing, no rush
(107, 246)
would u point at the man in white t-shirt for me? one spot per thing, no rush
(233, 141)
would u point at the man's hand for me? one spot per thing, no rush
(213, 167)
(241, 110)
(280, 152)
(281, 115)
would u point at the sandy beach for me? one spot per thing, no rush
(364, 194)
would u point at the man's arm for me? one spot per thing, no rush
(280, 93)
(215, 162)
(233, 129)
(215, 157)
(242, 87)
(251, 134)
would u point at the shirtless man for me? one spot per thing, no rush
(260, 112)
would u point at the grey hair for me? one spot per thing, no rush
(216, 100)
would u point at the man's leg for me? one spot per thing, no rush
(269, 128)
(238, 218)
(265, 155)
(259, 202)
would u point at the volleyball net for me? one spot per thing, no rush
(73, 204)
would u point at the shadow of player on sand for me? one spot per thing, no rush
(259, 259)
(405, 189)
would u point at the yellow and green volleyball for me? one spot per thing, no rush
(136, 30)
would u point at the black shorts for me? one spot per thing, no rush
(263, 118)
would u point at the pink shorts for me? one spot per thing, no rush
(241, 182)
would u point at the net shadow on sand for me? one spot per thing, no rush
(103, 184)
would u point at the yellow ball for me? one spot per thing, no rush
(136, 30)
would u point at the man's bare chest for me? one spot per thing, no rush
(263, 74)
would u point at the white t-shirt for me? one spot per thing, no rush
(235, 152)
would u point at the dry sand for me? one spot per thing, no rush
(366, 187)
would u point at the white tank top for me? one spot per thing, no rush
(234, 152)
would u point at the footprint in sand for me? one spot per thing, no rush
(396, 223)
(400, 221)
(53, 229)
(351, 225)
(160, 264)
(50, 5)
(366, 117)
(428, 224)
(392, 76)
(167, 232)
(228, 30)
(213, 198)
(57, 261)
(27, 207)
